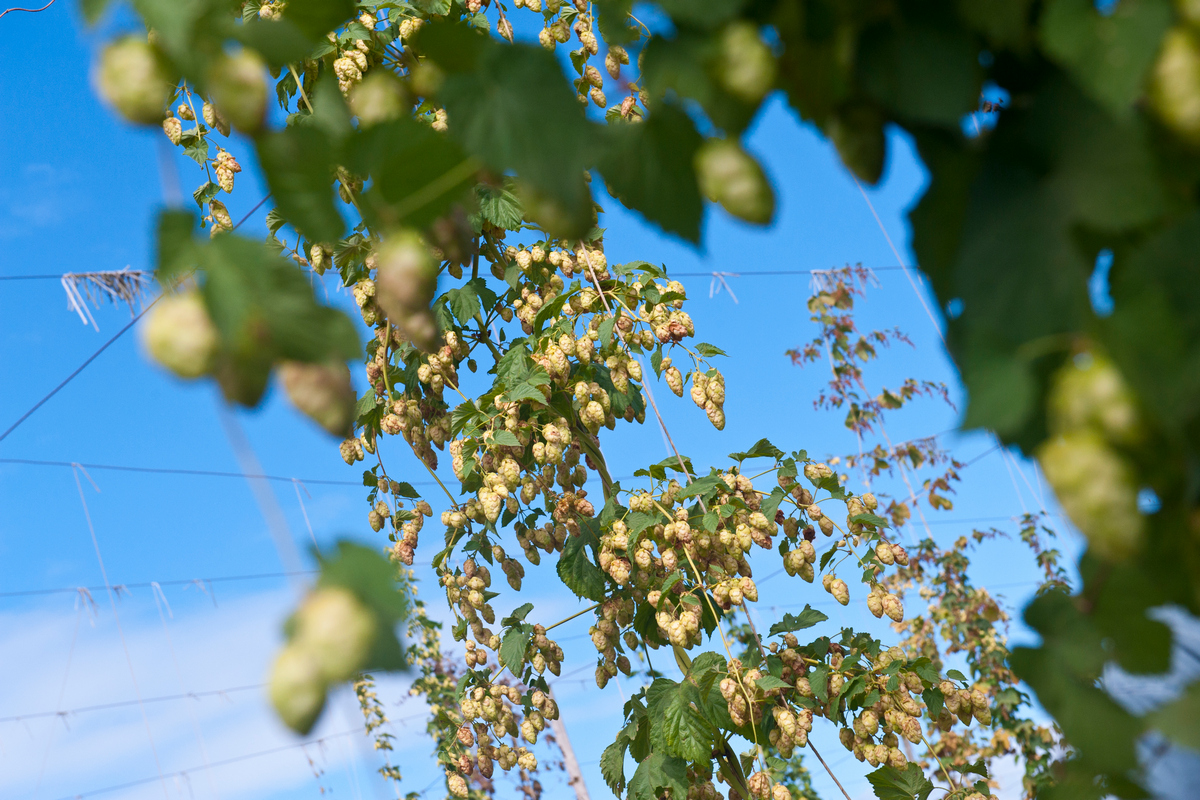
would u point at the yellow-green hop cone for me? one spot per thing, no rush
(173, 128)
(179, 334)
(213, 119)
(338, 630)
(323, 392)
(296, 688)
(1174, 91)
(730, 176)
(1089, 392)
(745, 66)
(132, 77)
(239, 89)
(1096, 489)
(380, 97)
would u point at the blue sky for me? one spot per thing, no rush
(78, 191)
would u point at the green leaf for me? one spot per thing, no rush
(499, 206)
(512, 648)
(315, 18)
(680, 729)
(464, 303)
(925, 70)
(709, 350)
(893, 784)
(649, 167)
(416, 172)
(977, 768)
(516, 96)
(507, 438)
(761, 449)
(1107, 53)
(612, 760)
(955, 675)
(92, 9)
(656, 773)
(1177, 719)
(870, 519)
(578, 572)
(280, 42)
(298, 164)
(769, 682)
(798, 622)
(701, 486)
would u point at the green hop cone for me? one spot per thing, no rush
(132, 77)
(380, 97)
(1089, 392)
(1096, 489)
(405, 284)
(1174, 91)
(338, 630)
(239, 89)
(180, 335)
(730, 176)
(323, 392)
(296, 688)
(745, 66)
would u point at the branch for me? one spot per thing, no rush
(30, 10)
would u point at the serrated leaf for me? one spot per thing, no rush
(769, 682)
(761, 449)
(870, 519)
(701, 486)
(656, 773)
(893, 784)
(464, 303)
(709, 350)
(649, 167)
(499, 206)
(680, 729)
(512, 648)
(577, 571)
(955, 675)
(798, 622)
(298, 164)
(506, 437)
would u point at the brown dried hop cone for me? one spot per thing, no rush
(133, 78)
(179, 334)
(322, 391)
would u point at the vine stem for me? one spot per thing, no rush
(813, 747)
(661, 423)
(933, 752)
(573, 616)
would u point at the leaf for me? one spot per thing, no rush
(870, 519)
(518, 95)
(506, 438)
(649, 167)
(761, 449)
(893, 784)
(701, 486)
(798, 622)
(769, 682)
(464, 303)
(1107, 53)
(1177, 719)
(612, 761)
(298, 164)
(315, 18)
(709, 350)
(578, 572)
(770, 503)
(512, 648)
(499, 206)
(416, 172)
(955, 675)
(977, 768)
(680, 729)
(656, 773)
